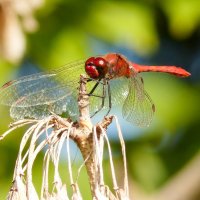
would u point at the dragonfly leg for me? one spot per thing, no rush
(109, 99)
(103, 99)
(95, 80)
(94, 88)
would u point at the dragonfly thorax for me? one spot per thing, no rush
(118, 65)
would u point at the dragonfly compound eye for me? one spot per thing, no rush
(96, 67)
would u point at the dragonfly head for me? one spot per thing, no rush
(96, 67)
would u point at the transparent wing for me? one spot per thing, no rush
(37, 95)
(138, 107)
(119, 90)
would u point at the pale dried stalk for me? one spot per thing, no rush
(57, 131)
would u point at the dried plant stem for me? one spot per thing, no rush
(85, 141)
(91, 144)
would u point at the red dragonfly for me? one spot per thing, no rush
(111, 77)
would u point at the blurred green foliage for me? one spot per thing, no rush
(67, 30)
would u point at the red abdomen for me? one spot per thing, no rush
(177, 71)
